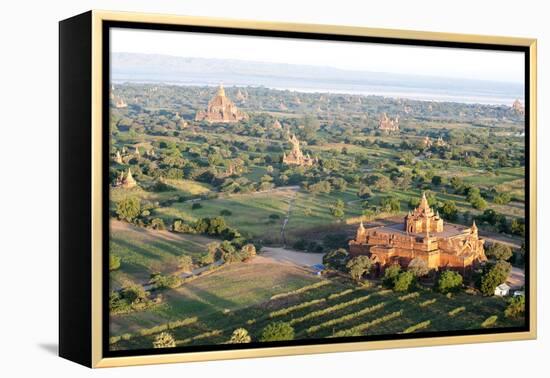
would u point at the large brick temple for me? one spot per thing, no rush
(423, 235)
(221, 109)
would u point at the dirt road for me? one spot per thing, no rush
(516, 279)
(290, 256)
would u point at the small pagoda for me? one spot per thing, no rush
(387, 124)
(296, 157)
(125, 180)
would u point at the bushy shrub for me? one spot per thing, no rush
(449, 281)
(359, 266)
(403, 281)
(128, 209)
(493, 276)
(158, 224)
(390, 274)
(160, 281)
(240, 336)
(164, 340)
(278, 331)
(499, 251)
(114, 262)
(516, 307)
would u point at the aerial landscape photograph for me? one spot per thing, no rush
(268, 190)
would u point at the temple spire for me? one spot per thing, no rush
(424, 202)
(221, 91)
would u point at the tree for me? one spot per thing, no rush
(185, 263)
(358, 266)
(114, 262)
(418, 267)
(311, 125)
(160, 281)
(337, 209)
(240, 336)
(499, 251)
(134, 293)
(320, 187)
(278, 331)
(164, 340)
(128, 209)
(403, 281)
(516, 307)
(449, 281)
(449, 210)
(228, 252)
(478, 203)
(336, 259)
(502, 198)
(494, 275)
(364, 191)
(437, 180)
(379, 182)
(390, 205)
(390, 274)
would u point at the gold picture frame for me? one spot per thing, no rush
(92, 25)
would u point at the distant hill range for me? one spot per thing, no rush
(154, 68)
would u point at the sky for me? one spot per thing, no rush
(500, 66)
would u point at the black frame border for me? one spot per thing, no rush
(105, 85)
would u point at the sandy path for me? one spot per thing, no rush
(290, 256)
(516, 279)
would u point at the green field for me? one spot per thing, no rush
(249, 212)
(212, 190)
(234, 287)
(145, 251)
(319, 312)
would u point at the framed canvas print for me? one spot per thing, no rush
(235, 189)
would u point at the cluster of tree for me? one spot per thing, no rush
(132, 297)
(308, 245)
(476, 200)
(228, 252)
(336, 259)
(515, 226)
(216, 226)
(161, 281)
(131, 210)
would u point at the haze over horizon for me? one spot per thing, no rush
(442, 62)
(170, 69)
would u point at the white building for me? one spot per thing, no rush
(502, 290)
